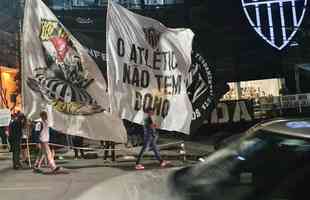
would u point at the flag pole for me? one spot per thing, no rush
(107, 54)
(27, 142)
(20, 49)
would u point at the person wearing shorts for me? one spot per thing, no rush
(42, 127)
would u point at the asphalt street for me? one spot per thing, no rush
(84, 176)
(96, 179)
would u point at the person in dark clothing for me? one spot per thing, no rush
(78, 142)
(133, 133)
(13, 117)
(3, 136)
(15, 128)
(109, 146)
(149, 140)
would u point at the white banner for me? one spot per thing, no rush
(60, 77)
(148, 65)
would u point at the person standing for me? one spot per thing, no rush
(15, 128)
(24, 139)
(9, 130)
(42, 127)
(149, 140)
(35, 138)
(3, 136)
(78, 143)
(53, 141)
(109, 146)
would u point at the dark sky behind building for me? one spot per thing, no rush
(8, 33)
(224, 34)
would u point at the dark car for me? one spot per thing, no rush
(270, 162)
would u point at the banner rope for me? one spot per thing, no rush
(90, 148)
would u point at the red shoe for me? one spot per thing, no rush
(139, 167)
(164, 163)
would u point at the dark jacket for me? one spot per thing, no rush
(15, 129)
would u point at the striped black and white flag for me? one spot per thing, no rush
(61, 78)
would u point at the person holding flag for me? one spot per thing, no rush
(150, 138)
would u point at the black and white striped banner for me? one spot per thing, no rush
(276, 21)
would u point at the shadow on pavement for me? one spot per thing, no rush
(125, 166)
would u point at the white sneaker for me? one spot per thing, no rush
(139, 167)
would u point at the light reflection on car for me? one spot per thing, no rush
(272, 161)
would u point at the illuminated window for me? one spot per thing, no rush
(162, 2)
(56, 4)
(89, 3)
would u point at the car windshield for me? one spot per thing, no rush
(264, 141)
(262, 164)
